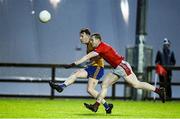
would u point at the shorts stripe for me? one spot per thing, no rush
(96, 72)
(126, 68)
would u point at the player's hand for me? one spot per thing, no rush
(69, 65)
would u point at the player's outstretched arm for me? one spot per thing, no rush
(86, 57)
(83, 59)
(69, 65)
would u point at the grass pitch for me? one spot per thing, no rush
(74, 109)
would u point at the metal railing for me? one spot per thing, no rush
(53, 68)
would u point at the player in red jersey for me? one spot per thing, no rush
(121, 69)
(93, 71)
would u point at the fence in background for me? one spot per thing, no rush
(53, 68)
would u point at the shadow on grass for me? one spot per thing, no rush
(101, 115)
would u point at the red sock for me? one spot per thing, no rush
(96, 104)
(157, 90)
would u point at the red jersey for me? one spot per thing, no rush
(109, 54)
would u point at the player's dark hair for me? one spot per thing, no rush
(97, 36)
(85, 30)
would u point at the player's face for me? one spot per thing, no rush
(95, 42)
(84, 38)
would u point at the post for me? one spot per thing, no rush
(53, 75)
(140, 45)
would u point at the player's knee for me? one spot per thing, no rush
(136, 85)
(74, 75)
(89, 90)
(77, 74)
(104, 85)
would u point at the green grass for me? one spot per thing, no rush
(73, 108)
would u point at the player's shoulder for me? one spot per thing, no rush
(89, 47)
(104, 44)
(103, 47)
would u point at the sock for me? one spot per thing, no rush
(157, 90)
(96, 104)
(62, 85)
(106, 106)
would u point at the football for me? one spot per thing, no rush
(44, 16)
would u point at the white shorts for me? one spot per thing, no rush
(123, 69)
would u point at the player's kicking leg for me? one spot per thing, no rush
(55, 86)
(71, 79)
(92, 83)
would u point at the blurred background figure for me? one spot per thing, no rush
(166, 57)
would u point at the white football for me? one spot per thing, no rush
(45, 16)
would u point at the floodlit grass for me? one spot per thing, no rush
(74, 108)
